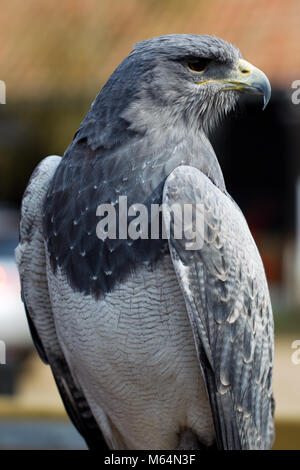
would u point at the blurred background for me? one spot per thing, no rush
(55, 57)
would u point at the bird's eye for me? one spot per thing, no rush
(198, 65)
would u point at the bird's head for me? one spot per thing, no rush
(194, 78)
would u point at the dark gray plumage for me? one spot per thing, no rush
(147, 110)
(149, 123)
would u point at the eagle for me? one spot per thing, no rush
(152, 344)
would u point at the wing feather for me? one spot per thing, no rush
(30, 257)
(229, 308)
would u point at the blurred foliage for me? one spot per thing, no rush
(287, 321)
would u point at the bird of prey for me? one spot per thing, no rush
(152, 345)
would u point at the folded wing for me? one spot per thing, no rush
(31, 261)
(228, 304)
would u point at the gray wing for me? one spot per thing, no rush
(228, 304)
(30, 257)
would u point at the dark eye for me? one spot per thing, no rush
(198, 65)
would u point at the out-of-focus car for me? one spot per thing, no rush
(14, 331)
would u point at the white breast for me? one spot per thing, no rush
(134, 357)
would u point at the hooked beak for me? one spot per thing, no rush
(247, 78)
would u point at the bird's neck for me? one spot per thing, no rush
(166, 134)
